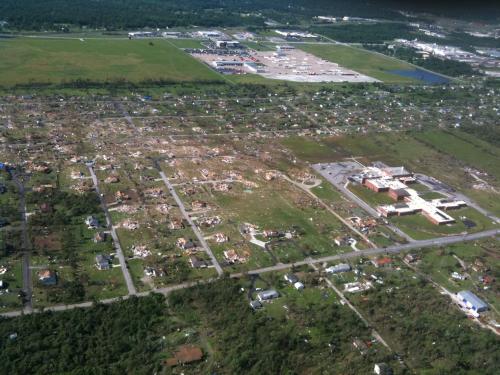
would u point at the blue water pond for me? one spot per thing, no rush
(421, 75)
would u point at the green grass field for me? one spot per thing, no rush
(186, 43)
(362, 61)
(258, 46)
(27, 61)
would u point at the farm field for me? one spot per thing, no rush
(362, 61)
(41, 61)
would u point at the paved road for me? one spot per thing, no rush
(353, 254)
(195, 229)
(441, 241)
(165, 291)
(444, 189)
(25, 245)
(116, 241)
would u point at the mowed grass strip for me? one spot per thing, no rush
(25, 61)
(362, 61)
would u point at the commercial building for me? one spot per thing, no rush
(339, 268)
(394, 181)
(472, 302)
(140, 34)
(227, 44)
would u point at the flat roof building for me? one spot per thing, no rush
(267, 295)
(472, 302)
(342, 267)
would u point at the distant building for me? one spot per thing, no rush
(298, 285)
(472, 302)
(267, 295)
(92, 222)
(227, 44)
(255, 305)
(291, 278)
(103, 262)
(339, 268)
(47, 277)
(100, 237)
(382, 369)
(197, 263)
(185, 354)
(398, 194)
(411, 258)
(382, 262)
(140, 34)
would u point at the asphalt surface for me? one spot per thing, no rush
(116, 241)
(279, 267)
(441, 241)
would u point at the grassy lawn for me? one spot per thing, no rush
(418, 227)
(57, 60)
(327, 192)
(432, 195)
(258, 46)
(14, 278)
(372, 198)
(464, 147)
(311, 150)
(362, 61)
(186, 43)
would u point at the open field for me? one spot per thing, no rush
(362, 61)
(27, 61)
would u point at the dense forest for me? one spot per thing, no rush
(136, 335)
(127, 14)
(122, 338)
(314, 335)
(366, 33)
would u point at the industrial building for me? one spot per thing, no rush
(227, 44)
(472, 302)
(339, 268)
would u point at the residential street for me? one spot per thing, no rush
(195, 229)
(116, 241)
(25, 245)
